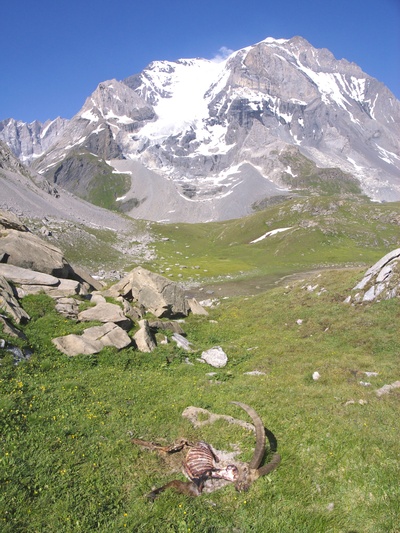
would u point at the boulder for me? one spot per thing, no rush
(26, 250)
(9, 304)
(93, 340)
(159, 295)
(131, 311)
(144, 338)
(121, 288)
(68, 307)
(96, 298)
(21, 248)
(105, 312)
(169, 325)
(82, 275)
(196, 308)
(381, 281)
(65, 288)
(24, 276)
(215, 357)
(9, 329)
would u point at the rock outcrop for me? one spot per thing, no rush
(33, 267)
(381, 281)
(21, 248)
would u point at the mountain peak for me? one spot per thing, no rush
(215, 137)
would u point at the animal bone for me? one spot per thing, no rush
(200, 462)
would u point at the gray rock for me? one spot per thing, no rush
(96, 298)
(65, 288)
(29, 251)
(67, 307)
(215, 357)
(144, 338)
(9, 329)
(9, 304)
(24, 276)
(380, 282)
(169, 325)
(387, 388)
(157, 294)
(182, 342)
(196, 308)
(133, 312)
(93, 340)
(9, 220)
(105, 312)
(82, 275)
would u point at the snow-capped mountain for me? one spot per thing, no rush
(205, 140)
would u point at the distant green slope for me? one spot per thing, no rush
(324, 231)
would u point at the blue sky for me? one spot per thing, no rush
(55, 52)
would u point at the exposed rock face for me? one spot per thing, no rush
(29, 141)
(381, 281)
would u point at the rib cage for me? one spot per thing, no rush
(199, 461)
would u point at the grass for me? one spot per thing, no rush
(67, 463)
(325, 232)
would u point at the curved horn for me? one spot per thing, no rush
(274, 463)
(259, 450)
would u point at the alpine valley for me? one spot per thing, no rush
(198, 140)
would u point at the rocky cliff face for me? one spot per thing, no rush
(30, 141)
(204, 140)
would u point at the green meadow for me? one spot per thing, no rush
(66, 460)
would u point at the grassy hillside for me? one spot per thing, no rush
(324, 232)
(66, 460)
(68, 464)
